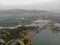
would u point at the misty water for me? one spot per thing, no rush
(46, 37)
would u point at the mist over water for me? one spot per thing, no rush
(46, 37)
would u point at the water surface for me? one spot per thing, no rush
(46, 37)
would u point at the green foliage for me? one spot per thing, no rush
(19, 32)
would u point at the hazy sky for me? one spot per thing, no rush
(30, 4)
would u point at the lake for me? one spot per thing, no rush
(46, 37)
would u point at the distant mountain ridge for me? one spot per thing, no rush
(22, 12)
